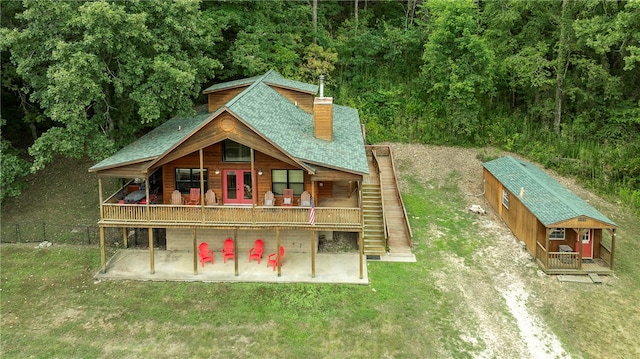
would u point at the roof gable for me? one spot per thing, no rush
(545, 197)
(273, 117)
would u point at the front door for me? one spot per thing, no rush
(237, 186)
(586, 240)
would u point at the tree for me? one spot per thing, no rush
(103, 72)
(458, 67)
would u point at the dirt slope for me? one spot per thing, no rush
(499, 291)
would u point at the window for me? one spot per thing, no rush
(281, 179)
(235, 152)
(557, 234)
(505, 199)
(188, 178)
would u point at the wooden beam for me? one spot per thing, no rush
(194, 239)
(151, 263)
(278, 250)
(313, 254)
(100, 195)
(125, 238)
(235, 251)
(202, 181)
(361, 253)
(103, 254)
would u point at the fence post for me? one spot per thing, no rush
(18, 232)
(44, 231)
(88, 235)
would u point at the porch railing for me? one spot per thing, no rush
(564, 260)
(230, 215)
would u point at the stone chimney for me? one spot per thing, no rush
(323, 115)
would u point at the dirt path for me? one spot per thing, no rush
(498, 316)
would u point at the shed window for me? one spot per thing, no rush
(557, 234)
(505, 199)
(188, 178)
(281, 179)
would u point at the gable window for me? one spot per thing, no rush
(505, 199)
(188, 178)
(235, 152)
(557, 234)
(281, 179)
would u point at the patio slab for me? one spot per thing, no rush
(173, 265)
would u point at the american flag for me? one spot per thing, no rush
(312, 214)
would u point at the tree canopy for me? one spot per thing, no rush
(553, 80)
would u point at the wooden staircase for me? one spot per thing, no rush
(374, 238)
(386, 225)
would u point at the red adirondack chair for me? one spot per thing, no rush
(205, 254)
(273, 259)
(257, 250)
(194, 196)
(227, 251)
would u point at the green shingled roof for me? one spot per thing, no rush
(271, 114)
(270, 77)
(155, 143)
(545, 197)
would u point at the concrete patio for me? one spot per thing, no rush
(173, 265)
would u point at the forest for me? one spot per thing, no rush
(555, 81)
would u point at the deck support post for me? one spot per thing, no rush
(361, 253)
(103, 254)
(278, 251)
(235, 250)
(125, 239)
(313, 254)
(195, 250)
(151, 263)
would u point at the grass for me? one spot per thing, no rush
(50, 305)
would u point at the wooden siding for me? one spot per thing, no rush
(212, 159)
(304, 100)
(219, 98)
(323, 118)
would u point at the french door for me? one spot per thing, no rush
(237, 186)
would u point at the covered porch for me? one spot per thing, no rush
(176, 265)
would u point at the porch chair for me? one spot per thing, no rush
(273, 259)
(227, 250)
(210, 198)
(268, 199)
(257, 250)
(176, 198)
(287, 197)
(194, 196)
(305, 199)
(205, 254)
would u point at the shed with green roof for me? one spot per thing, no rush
(563, 232)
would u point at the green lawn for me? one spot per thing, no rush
(50, 305)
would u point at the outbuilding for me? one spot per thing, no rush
(564, 233)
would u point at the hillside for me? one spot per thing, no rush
(503, 305)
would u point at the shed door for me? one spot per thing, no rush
(586, 238)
